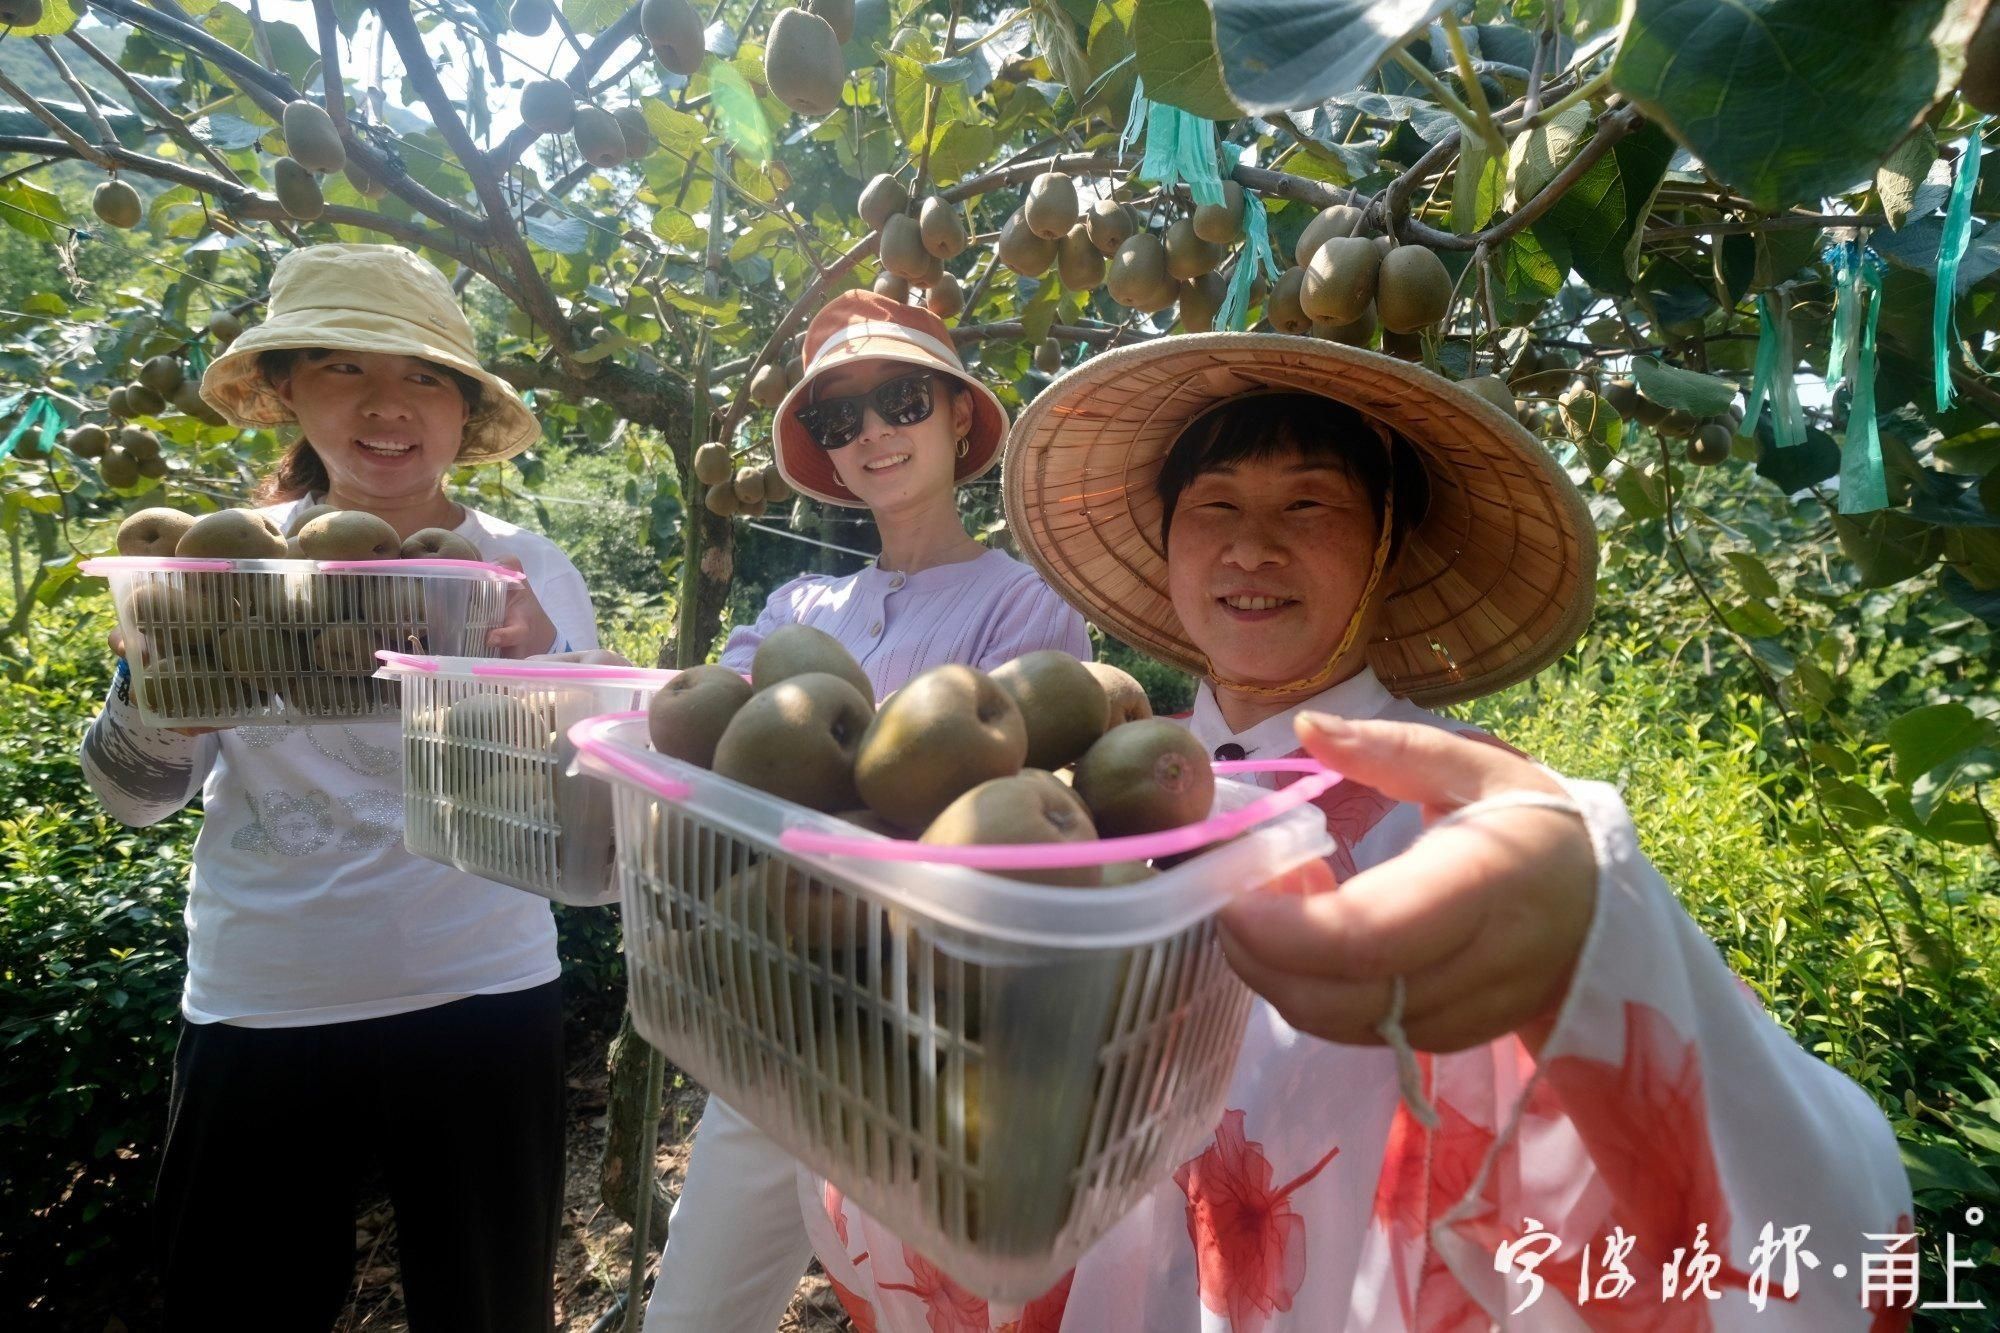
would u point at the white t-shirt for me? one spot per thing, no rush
(304, 907)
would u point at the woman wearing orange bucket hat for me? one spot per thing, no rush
(885, 418)
(1500, 1067)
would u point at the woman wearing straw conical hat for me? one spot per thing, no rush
(350, 1005)
(1501, 1045)
(887, 419)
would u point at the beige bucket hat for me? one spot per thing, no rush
(366, 298)
(859, 326)
(1495, 582)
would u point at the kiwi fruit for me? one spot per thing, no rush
(1354, 333)
(1338, 220)
(1340, 279)
(168, 622)
(239, 534)
(881, 199)
(1282, 307)
(531, 18)
(117, 204)
(1188, 255)
(902, 247)
(1138, 271)
(1031, 806)
(297, 189)
(1079, 266)
(776, 489)
(600, 139)
(1623, 395)
(1407, 346)
(225, 327)
(1124, 697)
(141, 444)
(891, 286)
(1109, 224)
(141, 401)
(676, 33)
(753, 509)
(942, 227)
(1493, 389)
(20, 13)
(945, 298)
(166, 689)
(712, 463)
(349, 534)
(1048, 356)
(152, 466)
(1065, 707)
(798, 739)
(311, 140)
(803, 66)
(258, 654)
(156, 532)
(1201, 298)
(348, 650)
(364, 184)
(1220, 224)
(767, 386)
(1413, 289)
(305, 516)
(1709, 445)
(749, 486)
(163, 375)
(839, 15)
(639, 140)
(792, 650)
(1020, 249)
(433, 544)
(188, 400)
(1145, 777)
(943, 733)
(720, 500)
(688, 716)
(1050, 209)
(118, 403)
(548, 106)
(90, 442)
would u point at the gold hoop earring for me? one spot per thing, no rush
(964, 445)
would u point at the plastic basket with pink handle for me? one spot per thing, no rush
(487, 785)
(997, 1070)
(233, 643)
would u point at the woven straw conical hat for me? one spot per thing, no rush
(1494, 583)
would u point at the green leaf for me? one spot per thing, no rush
(1887, 546)
(1785, 100)
(1855, 805)
(679, 132)
(592, 16)
(58, 17)
(1534, 158)
(1175, 40)
(1281, 54)
(1599, 218)
(1938, 1168)
(29, 209)
(1670, 386)
(737, 113)
(1638, 493)
(1753, 620)
(1800, 466)
(561, 234)
(1927, 738)
(1752, 574)
(1900, 177)
(1526, 273)
(1478, 187)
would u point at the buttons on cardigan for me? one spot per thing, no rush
(875, 630)
(896, 582)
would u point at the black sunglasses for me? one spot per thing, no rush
(835, 423)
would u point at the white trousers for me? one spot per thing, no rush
(737, 1245)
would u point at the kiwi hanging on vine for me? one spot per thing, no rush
(600, 139)
(1079, 266)
(675, 32)
(881, 199)
(297, 189)
(1337, 220)
(1050, 209)
(1188, 255)
(902, 249)
(889, 285)
(1340, 279)
(1020, 249)
(548, 106)
(531, 18)
(1110, 224)
(310, 137)
(1221, 224)
(1413, 289)
(802, 63)
(945, 298)
(942, 227)
(839, 15)
(1201, 298)
(1282, 306)
(117, 205)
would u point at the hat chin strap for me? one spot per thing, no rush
(1315, 683)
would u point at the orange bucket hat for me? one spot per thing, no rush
(859, 326)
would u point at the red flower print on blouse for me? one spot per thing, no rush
(949, 1307)
(1044, 1314)
(836, 1211)
(1351, 811)
(859, 1312)
(1249, 1244)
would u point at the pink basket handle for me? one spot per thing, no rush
(573, 671)
(592, 738)
(460, 567)
(153, 564)
(1062, 855)
(396, 661)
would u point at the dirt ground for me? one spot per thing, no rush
(596, 1247)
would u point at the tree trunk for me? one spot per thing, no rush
(621, 1171)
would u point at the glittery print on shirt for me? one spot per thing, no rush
(339, 744)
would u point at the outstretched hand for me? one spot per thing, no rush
(1483, 920)
(524, 627)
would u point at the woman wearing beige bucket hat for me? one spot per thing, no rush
(349, 1005)
(885, 418)
(1499, 1066)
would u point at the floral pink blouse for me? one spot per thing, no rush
(1651, 1171)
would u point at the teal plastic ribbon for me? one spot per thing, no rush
(41, 415)
(1256, 255)
(1951, 249)
(1844, 257)
(1863, 488)
(1775, 382)
(1180, 147)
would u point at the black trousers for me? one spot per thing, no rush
(273, 1130)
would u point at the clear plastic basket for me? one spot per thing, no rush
(487, 785)
(231, 643)
(996, 1070)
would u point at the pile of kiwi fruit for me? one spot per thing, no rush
(123, 451)
(216, 643)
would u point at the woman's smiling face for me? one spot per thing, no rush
(386, 426)
(891, 467)
(1268, 560)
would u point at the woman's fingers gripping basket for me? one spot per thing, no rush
(910, 957)
(488, 780)
(234, 631)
